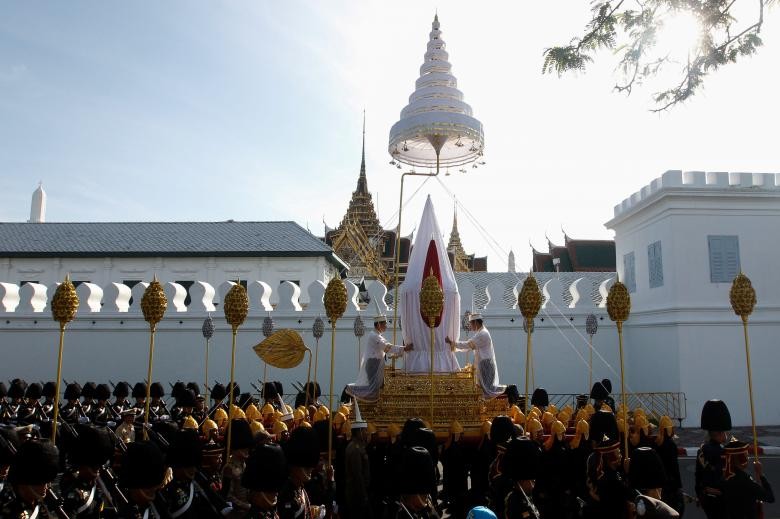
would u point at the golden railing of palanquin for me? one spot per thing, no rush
(456, 397)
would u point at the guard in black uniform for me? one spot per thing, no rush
(455, 477)
(716, 420)
(83, 495)
(741, 493)
(416, 481)
(264, 477)
(49, 390)
(303, 455)
(183, 495)
(33, 468)
(101, 413)
(647, 477)
(142, 473)
(609, 491)
(121, 392)
(521, 464)
(502, 430)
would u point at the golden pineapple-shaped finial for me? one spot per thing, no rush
(530, 298)
(65, 302)
(618, 302)
(431, 299)
(236, 305)
(335, 299)
(742, 296)
(154, 303)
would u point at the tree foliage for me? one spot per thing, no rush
(631, 30)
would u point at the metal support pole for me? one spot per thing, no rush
(59, 380)
(149, 382)
(230, 401)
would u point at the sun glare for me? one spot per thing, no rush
(678, 35)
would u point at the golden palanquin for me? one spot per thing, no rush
(455, 397)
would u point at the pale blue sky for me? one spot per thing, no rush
(196, 110)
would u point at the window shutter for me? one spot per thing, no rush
(629, 271)
(724, 258)
(655, 264)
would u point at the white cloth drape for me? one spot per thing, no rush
(415, 329)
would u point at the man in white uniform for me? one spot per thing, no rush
(372, 365)
(482, 344)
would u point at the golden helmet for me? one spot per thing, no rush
(558, 429)
(393, 430)
(208, 426)
(583, 428)
(288, 408)
(190, 423)
(553, 409)
(252, 413)
(456, 427)
(236, 413)
(590, 409)
(344, 410)
(568, 409)
(298, 415)
(547, 418)
(639, 411)
(564, 416)
(641, 423)
(324, 410)
(279, 427)
(582, 414)
(320, 415)
(519, 418)
(256, 426)
(536, 410)
(485, 430)
(267, 411)
(339, 420)
(277, 415)
(665, 423)
(220, 416)
(304, 424)
(533, 426)
(513, 412)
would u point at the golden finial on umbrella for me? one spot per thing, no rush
(64, 305)
(619, 308)
(335, 301)
(743, 300)
(530, 302)
(153, 305)
(431, 307)
(236, 308)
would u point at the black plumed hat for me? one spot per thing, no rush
(17, 388)
(502, 429)
(218, 392)
(35, 463)
(88, 391)
(279, 388)
(417, 472)
(139, 390)
(3, 390)
(540, 398)
(603, 423)
(93, 447)
(522, 459)
(269, 391)
(102, 392)
(194, 387)
(185, 449)
(409, 430)
(302, 449)
(646, 469)
(241, 436)
(143, 466)
(157, 390)
(244, 399)
(122, 390)
(186, 398)
(426, 439)
(34, 391)
(598, 391)
(177, 388)
(9, 443)
(266, 469)
(72, 391)
(607, 383)
(236, 390)
(49, 389)
(715, 416)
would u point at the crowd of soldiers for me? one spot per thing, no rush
(308, 462)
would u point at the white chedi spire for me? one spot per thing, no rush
(437, 126)
(511, 266)
(38, 205)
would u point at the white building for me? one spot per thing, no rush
(680, 241)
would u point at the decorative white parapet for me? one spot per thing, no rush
(9, 297)
(176, 295)
(116, 298)
(201, 297)
(259, 297)
(137, 293)
(580, 291)
(553, 295)
(353, 294)
(495, 294)
(289, 297)
(32, 298)
(90, 297)
(377, 292)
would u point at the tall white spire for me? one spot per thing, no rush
(38, 205)
(511, 266)
(436, 125)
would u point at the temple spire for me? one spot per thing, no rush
(362, 186)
